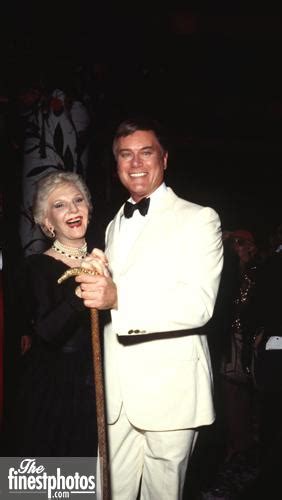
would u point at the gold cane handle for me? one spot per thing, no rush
(75, 271)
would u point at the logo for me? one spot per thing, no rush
(55, 477)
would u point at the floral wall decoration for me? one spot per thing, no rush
(55, 129)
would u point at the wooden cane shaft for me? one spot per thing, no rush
(99, 386)
(100, 404)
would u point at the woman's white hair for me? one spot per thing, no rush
(48, 183)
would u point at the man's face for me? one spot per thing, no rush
(141, 163)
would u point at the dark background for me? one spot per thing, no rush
(211, 75)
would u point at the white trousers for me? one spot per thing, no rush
(158, 459)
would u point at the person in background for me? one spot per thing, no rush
(55, 412)
(268, 368)
(235, 316)
(165, 256)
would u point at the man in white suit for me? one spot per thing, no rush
(165, 257)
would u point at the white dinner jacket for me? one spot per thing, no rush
(169, 282)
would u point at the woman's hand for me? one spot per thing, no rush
(97, 290)
(97, 261)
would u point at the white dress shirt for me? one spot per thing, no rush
(132, 227)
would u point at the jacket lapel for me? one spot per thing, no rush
(147, 236)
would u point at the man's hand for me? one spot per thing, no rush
(97, 291)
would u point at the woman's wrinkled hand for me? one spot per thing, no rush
(97, 261)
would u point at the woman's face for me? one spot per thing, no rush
(67, 214)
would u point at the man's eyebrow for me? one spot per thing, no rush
(132, 149)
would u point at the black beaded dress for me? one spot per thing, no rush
(55, 408)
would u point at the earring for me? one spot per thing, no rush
(52, 232)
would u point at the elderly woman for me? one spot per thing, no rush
(56, 390)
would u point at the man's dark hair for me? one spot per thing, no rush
(131, 125)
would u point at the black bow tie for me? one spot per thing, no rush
(142, 206)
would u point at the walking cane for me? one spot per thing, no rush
(99, 386)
